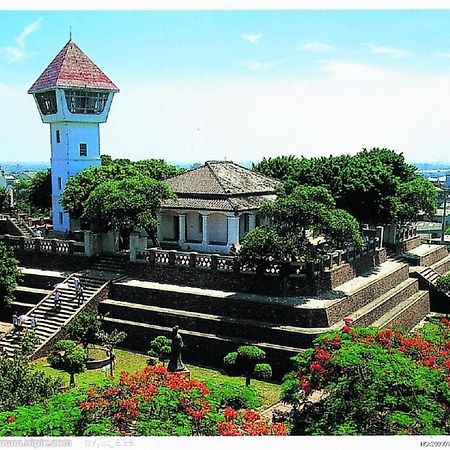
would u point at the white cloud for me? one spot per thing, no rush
(442, 55)
(18, 52)
(389, 51)
(316, 47)
(27, 31)
(252, 38)
(351, 71)
(257, 65)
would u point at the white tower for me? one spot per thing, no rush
(73, 95)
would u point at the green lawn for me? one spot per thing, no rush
(131, 362)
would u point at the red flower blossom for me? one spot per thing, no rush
(229, 413)
(322, 355)
(251, 416)
(345, 329)
(11, 419)
(228, 429)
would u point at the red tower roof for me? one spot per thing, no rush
(72, 68)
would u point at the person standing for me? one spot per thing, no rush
(33, 322)
(15, 321)
(57, 298)
(80, 294)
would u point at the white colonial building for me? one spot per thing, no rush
(74, 96)
(217, 204)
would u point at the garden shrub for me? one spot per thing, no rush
(234, 394)
(262, 371)
(245, 361)
(21, 385)
(58, 416)
(443, 283)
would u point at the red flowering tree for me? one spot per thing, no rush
(155, 402)
(366, 381)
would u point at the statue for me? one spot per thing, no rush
(175, 362)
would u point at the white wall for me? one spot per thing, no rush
(217, 227)
(167, 227)
(193, 219)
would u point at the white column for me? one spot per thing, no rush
(251, 221)
(205, 229)
(89, 243)
(233, 230)
(133, 246)
(159, 227)
(182, 222)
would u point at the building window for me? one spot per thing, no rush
(200, 224)
(47, 102)
(59, 183)
(83, 149)
(86, 102)
(246, 223)
(60, 217)
(58, 137)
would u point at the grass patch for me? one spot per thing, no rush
(131, 362)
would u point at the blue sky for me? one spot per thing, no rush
(241, 84)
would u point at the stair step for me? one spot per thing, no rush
(400, 308)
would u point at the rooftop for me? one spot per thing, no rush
(72, 68)
(221, 185)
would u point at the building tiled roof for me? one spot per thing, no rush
(222, 178)
(220, 186)
(72, 68)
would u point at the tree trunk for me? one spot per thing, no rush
(111, 365)
(72, 380)
(247, 378)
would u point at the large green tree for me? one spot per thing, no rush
(371, 382)
(296, 218)
(40, 190)
(130, 189)
(375, 186)
(110, 341)
(125, 204)
(9, 275)
(84, 328)
(69, 357)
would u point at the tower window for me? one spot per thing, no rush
(200, 224)
(58, 136)
(59, 183)
(83, 149)
(86, 102)
(60, 217)
(47, 102)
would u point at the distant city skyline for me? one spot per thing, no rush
(241, 85)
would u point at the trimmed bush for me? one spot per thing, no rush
(262, 371)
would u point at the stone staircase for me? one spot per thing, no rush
(215, 322)
(23, 228)
(110, 263)
(49, 319)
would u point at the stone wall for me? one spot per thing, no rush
(199, 348)
(236, 306)
(441, 267)
(411, 243)
(338, 275)
(364, 296)
(433, 257)
(411, 316)
(52, 261)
